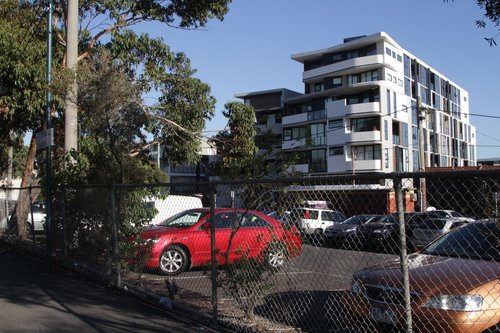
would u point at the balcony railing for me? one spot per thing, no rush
(317, 166)
(316, 115)
(318, 140)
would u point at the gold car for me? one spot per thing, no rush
(454, 285)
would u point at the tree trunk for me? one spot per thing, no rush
(24, 201)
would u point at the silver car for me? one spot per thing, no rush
(423, 233)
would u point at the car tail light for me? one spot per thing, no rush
(306, 215)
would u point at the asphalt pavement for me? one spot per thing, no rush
(34, 298)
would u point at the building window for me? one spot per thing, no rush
(295, 133)
(405, 135)
(414, 136)
(318, 160)
(406, 64)
(386, 157)
(386, 130)
(318, 87)
(400, 59)
(363, 77)
(318, 134)
(364, 97)
(336, 124)
(336, 151)
(367, 153)
(388, 102)
(316, 115)
(337, 81)
(407, 87)
(389, 77)
(365, 124)
(388, 51)
(395, 106)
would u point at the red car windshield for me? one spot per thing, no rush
(184, 219)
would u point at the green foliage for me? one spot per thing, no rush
(22, 69)
(20, 152)
(247, 281)
(492, 13)
(236, 145)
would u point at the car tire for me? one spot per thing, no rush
(173, 260)
(317, 237)
(276, 256)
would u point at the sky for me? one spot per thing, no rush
(251, 49)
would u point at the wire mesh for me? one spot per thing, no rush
(338, 254)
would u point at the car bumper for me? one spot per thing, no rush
(423, 319)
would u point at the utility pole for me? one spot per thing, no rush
(48, 161)
(71, 115)
(421, 149)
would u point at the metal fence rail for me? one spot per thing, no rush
(335, 254)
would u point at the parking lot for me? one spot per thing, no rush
(305, 294)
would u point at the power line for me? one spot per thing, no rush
(484, 115)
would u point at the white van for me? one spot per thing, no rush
(172, 205)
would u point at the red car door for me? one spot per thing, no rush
(251, 237)
(224, 223)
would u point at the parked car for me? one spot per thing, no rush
(379, 234)
(423, 233)
(285, 217)
(35, 222)
(447, 213)
(183, 240)
(344, 233)
(314, 221)
(454, 283)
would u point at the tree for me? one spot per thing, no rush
(236, 144)
(492, 13)
(184, 104)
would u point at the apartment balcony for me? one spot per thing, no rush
(367, 62)
(336, 137)
(293, 144)
(294, 119)
(275, 129)
(318, 167)
(335, 109)
(337, 164)
(371, 107)
(365, 165)
(371, 136)
(299, 168)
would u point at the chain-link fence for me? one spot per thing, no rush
(338, 254)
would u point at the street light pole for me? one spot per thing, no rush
(48, 169)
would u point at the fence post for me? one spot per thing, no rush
(32, 217)
(116, 252)
(403, 253)
(64, 223)
(8, 196)
(213, 257)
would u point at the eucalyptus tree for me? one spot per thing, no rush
(176, 119)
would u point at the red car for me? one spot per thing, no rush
(183, 240)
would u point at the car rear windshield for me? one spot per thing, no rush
(433, 224)
(473, 241)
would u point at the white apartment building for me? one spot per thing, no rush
(359, 114)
